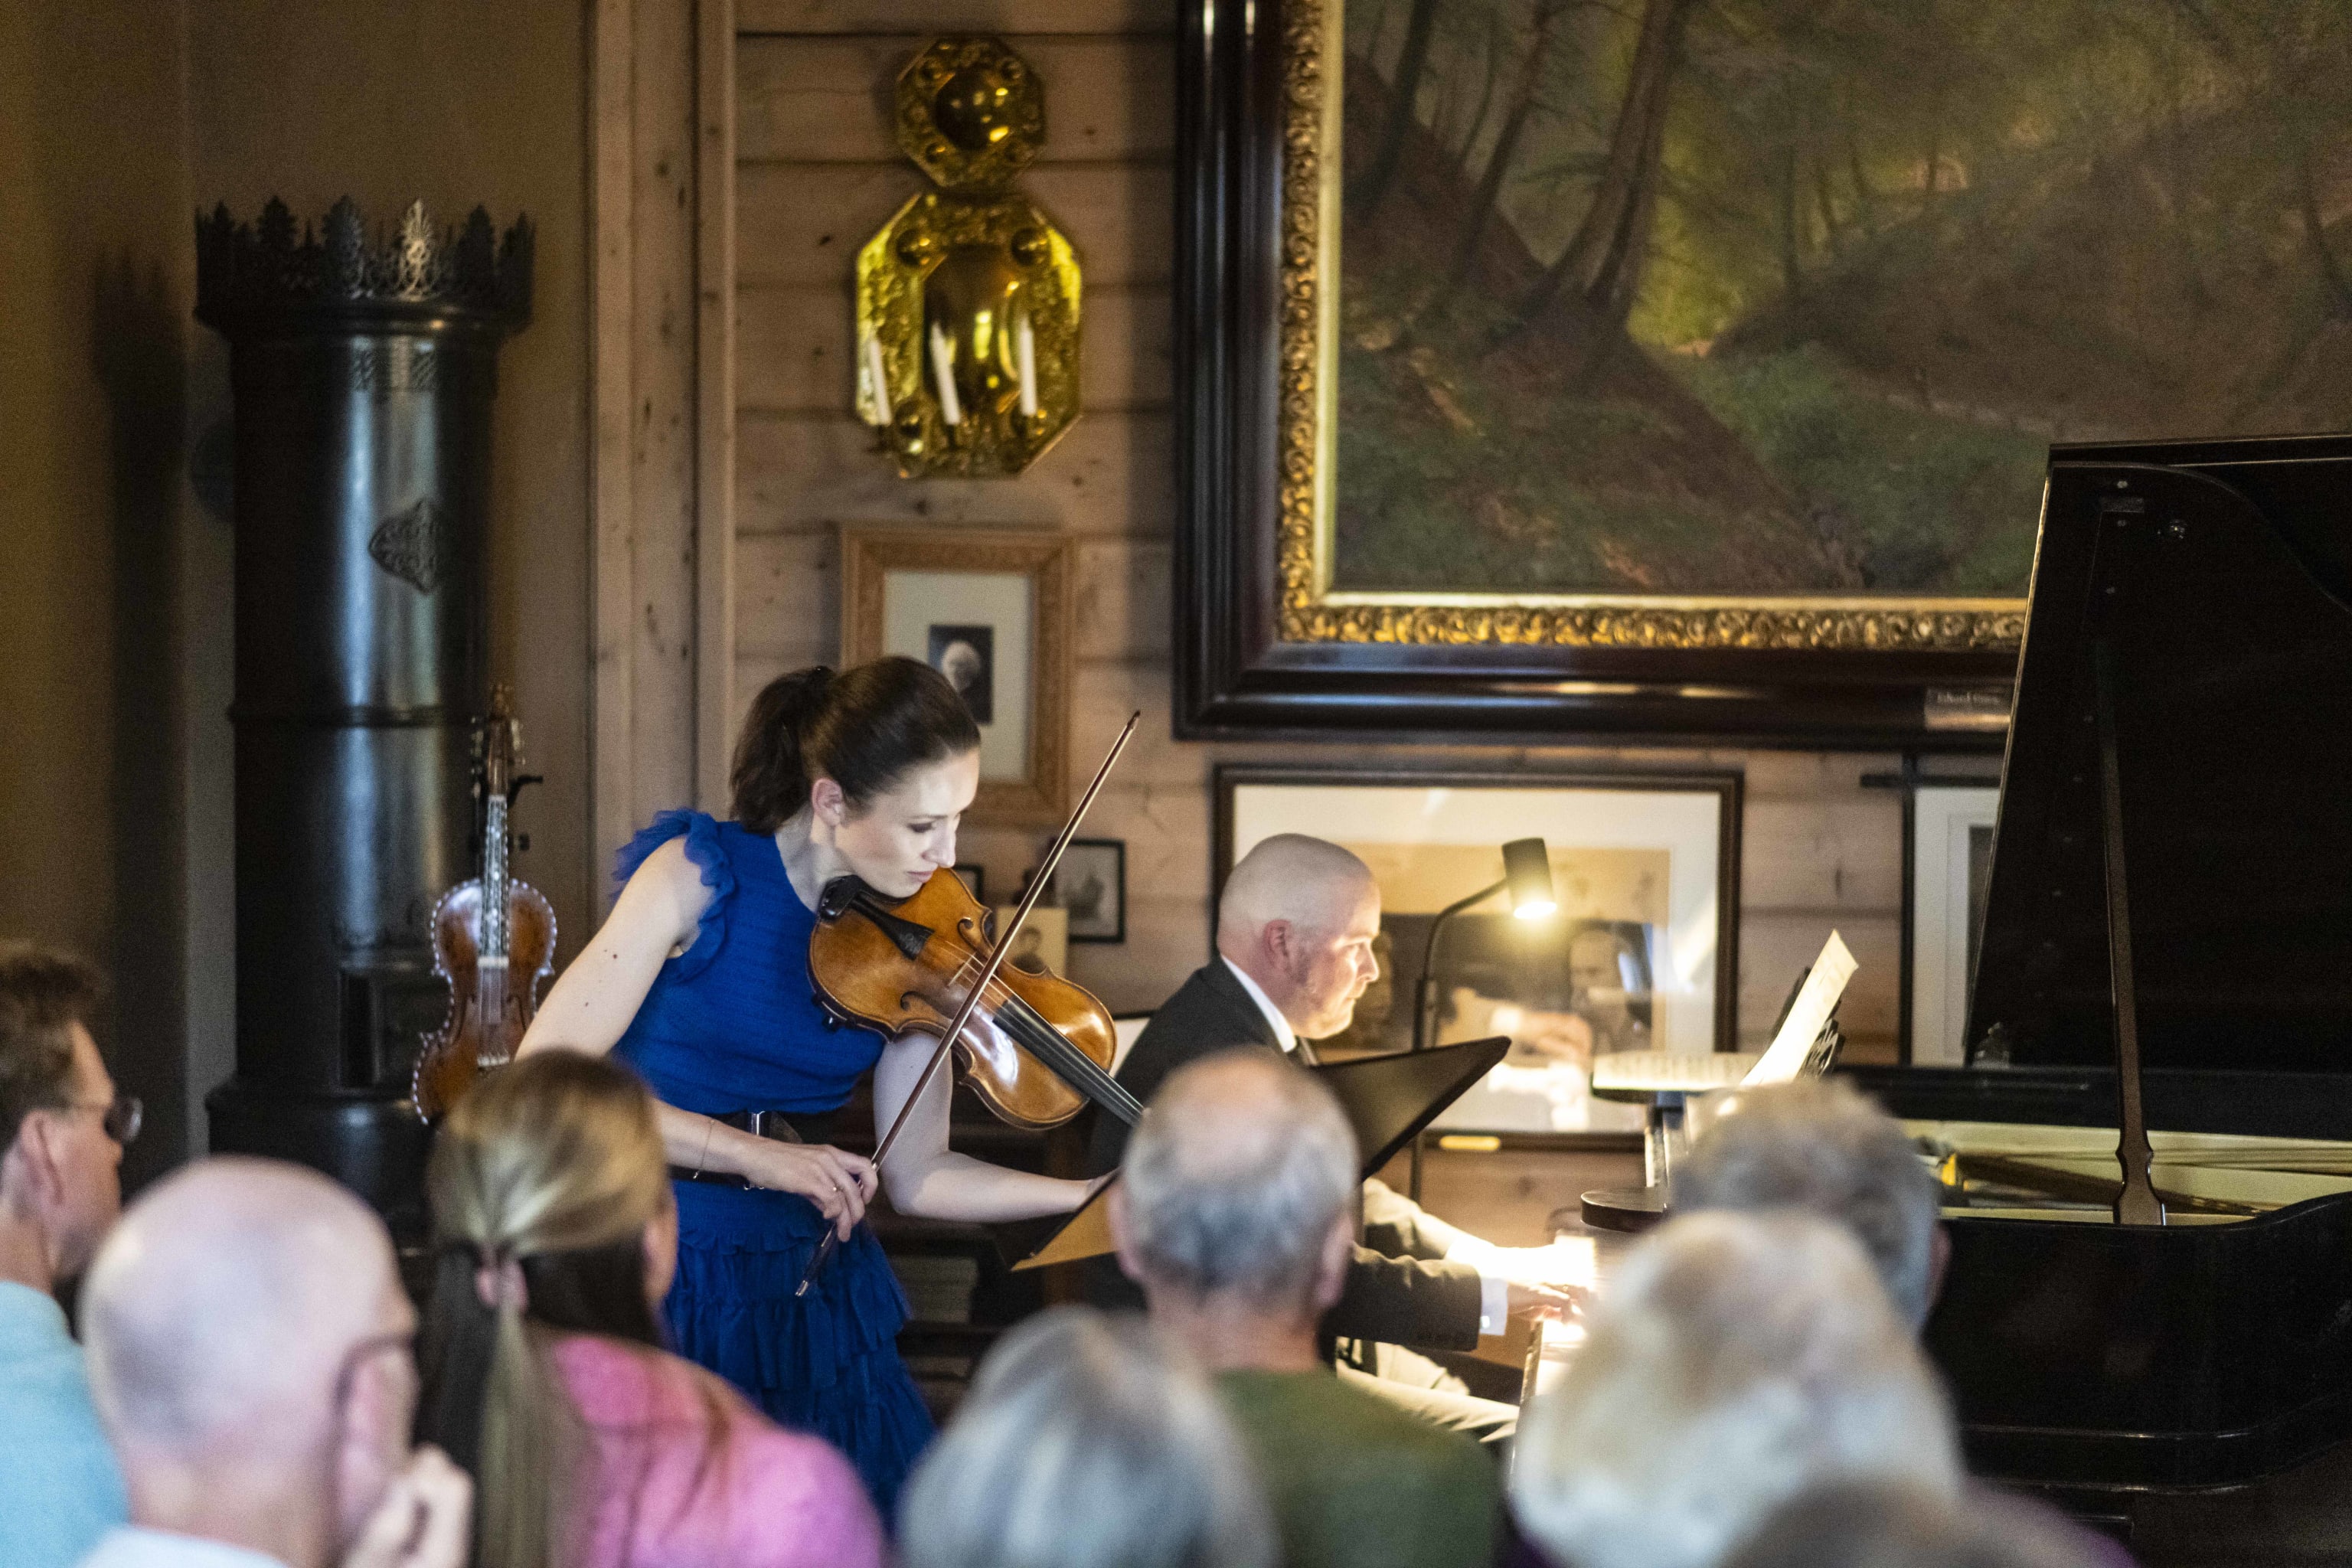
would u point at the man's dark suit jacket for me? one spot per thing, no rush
(1402, 1293)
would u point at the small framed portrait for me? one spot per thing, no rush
(990, 610)
(1044, 939)
(1091, 886)
(1948, 872)
(1637, 954)
(966, 654)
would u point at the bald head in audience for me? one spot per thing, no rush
(1298, 917)
(250, 1353)
(1237, 1209)
(1821, 1146)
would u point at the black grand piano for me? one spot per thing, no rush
(2166, 951)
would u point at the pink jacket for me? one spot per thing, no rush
(687, 1473)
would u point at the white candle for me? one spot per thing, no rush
(878, 382)
(943, 371)
(1024, 347)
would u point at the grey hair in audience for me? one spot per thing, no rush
(1736, 1361)
(1237, 1175)
(1822, 1147)
(1086, 1442)
(1901, 1527)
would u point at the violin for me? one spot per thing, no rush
(908, 966)
(956, 971)
(493, 939)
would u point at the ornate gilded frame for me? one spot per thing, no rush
(1265, 643)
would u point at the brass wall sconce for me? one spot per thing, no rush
(967, 298)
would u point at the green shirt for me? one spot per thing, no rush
(1357, 1483)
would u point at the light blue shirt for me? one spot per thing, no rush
(60, 1486)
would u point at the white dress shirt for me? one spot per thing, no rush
(128, 1546)
(1494, 1289)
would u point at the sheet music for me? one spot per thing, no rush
(1785, 1060)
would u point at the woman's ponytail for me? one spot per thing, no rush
(771, 776)
(862, 727)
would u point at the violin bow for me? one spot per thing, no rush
(1037, 885)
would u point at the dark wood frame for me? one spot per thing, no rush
(1729, 787)
(1117, 847)
(1234, 675)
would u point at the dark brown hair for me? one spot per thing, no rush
(861, 728)
(43, 994)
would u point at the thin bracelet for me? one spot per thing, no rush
(709, 1125)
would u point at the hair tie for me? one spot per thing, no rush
(498, 1279)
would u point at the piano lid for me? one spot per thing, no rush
(2220, 573)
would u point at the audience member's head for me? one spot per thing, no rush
(1893, 1526)
(62, 1132)
(1298, 916)
(551, 1208)
(250, 1351)
(1086, 1442)
(1736, 1361)
(1821, 1146)
(1235, 1209)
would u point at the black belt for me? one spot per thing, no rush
(785, 1127)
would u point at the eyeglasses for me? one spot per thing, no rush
(121, 1117)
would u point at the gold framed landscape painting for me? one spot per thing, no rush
(1669, 368)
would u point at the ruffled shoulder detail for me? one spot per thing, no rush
(700, 831)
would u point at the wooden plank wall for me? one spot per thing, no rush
(816, 174)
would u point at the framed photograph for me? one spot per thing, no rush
(1091, 885)
(1669, 369)
(991, 611)
(1641, 955)
(1045, 939)
(1949, 870)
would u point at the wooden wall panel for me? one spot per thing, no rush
(829, 99)
(1110, 474)
(818, 174)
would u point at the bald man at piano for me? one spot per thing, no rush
(1294, 931)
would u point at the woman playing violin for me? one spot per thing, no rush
(700, 981)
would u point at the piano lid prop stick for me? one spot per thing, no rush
(1004, 942)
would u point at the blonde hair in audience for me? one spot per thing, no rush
(1086, 1442)
(560, 1153)
(1737, 1360)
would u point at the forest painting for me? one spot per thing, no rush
(1764, 298)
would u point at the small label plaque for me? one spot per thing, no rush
(1981, 709)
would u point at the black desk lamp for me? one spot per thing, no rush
(1527, 875)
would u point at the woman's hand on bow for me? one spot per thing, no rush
(838, 1182)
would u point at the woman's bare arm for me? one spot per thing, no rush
(929, 1179)
(592, 1004)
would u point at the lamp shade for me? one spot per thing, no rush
(1526, 871)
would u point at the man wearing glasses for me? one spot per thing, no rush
(62, 1129)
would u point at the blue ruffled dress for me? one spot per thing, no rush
(733, 1024)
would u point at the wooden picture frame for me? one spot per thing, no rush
(1102, 864)
(1668, 841)
(1263, 644)
(1947, 869)
(995, 607)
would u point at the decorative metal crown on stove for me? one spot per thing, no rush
(263, 268)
